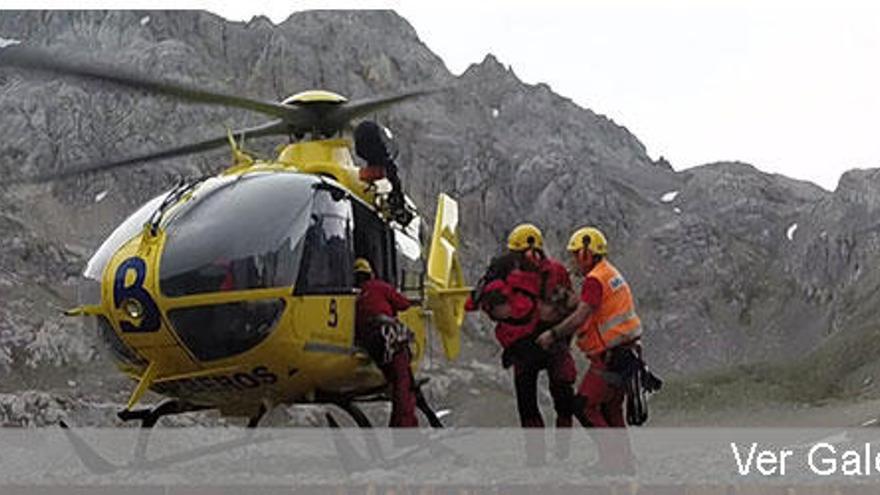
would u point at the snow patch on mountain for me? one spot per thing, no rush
(669, 197)
(4, 42)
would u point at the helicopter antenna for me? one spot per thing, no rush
(239, 155)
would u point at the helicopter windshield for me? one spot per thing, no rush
(132, 226)
(244, 234)
(89, 288)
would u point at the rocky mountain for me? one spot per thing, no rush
(729, 264)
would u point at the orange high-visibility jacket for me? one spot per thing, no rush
(615, 321)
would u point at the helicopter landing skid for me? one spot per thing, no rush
(150, 416)
(430, 415)
(347, 402)
(357, 414)
(406, 444)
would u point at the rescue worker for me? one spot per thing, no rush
(386, 340)
(527, 359)
(608, 330)
(525, 292)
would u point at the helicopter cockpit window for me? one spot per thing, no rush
(244, 234)
(327, 257)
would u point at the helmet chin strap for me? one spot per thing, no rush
(586, 260)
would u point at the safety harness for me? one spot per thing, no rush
(386, 337)
(642, 383)
(627, 369)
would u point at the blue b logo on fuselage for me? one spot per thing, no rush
(149, 320)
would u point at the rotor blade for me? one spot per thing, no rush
(352, 110)
(30, 58)
(268, 129)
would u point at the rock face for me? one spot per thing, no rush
(729, 264)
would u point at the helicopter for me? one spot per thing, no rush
(234, 292)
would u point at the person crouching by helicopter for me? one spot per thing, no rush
(524, 292)
(386, 340)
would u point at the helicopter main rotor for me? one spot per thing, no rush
(291, 117)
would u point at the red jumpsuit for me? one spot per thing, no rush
(555, 276)
(561, 370)
(604, 398)
(600, 400)
(378, 297)
(523, 290)
(603, 402)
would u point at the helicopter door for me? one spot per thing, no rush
(325, 284)
(374, 241)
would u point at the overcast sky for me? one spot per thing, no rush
(791, 88)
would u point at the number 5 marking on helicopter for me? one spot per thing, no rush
(138, 303)
(333, 319)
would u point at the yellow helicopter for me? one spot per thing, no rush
(235, 292)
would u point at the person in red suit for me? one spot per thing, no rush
(386, 340)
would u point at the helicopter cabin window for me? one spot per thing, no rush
(327, 258)
(410, 263)
(244, 234)
(373, 241)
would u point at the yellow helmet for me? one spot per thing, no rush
(525, 236)
(362, 265)
(590, 238)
